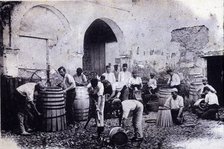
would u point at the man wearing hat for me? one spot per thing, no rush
(123, 78)
(176, 103)
(132, 108)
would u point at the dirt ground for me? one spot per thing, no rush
(204, 134)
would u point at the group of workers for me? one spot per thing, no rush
(122, 90)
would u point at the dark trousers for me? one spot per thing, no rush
(174, 113)
(210, 112)
(23, 112)
(70, 97)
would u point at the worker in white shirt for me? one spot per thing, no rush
(176, 104)
(174, 80)
(123, 78)
(200, 90)
(210, 104)
(68, 85)
(109, 76)
(135, 84)
(24, 104)
(130, 108)
(97, 101)
(152, 84)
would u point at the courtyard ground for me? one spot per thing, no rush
(194, 134)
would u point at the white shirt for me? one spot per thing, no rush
(135, 81)
(80, 79)
(27, 90)
(110, 77)
(129, 106)
(152, 83)
(211, 98)
(124, 77)
(68, 80)
(117, 86)
(174, 104)
(174, 80)
(201, 88)
(100, 86)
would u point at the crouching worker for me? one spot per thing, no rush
(97, 99)
(176, 103)
(128, 107)
(25, 106)
(209, 107)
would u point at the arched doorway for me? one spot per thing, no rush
(97, 36)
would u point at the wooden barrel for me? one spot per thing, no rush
(164, 94)
(81, 104)
(164, 118)
(193, 95)
(152, 106)
(118, 136)
(53, 109)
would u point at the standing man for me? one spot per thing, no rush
(68, 84)
(123, 78)
(116, 72)
(80, 78)
(24, 104)
(176, 104)
(109, 75)
(96, 90)
(135, 86)
(152, 84)
(127, 108)
(174, 80)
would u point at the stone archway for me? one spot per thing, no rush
(103, 43)
(37, 37)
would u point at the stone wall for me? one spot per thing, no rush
(152, 35)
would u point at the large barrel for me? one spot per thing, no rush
(194, 86)
(164, 94)
(53, 109)
(81, 104)
(118, 136)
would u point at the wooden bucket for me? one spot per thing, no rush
(164, 118)
(81, 104)
(53, 109)
(118, 136)
(164, 94)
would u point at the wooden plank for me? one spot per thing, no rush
(59, 119)
(54, 120)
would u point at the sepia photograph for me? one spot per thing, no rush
(112, 74)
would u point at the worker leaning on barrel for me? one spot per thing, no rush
(132, 108)
(68, 84)
(176, 103)
(25, 106)
(80, 78)
(96, 90)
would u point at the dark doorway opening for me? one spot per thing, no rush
(98, 33)
(215, 75)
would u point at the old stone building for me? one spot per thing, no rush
(149, 35)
